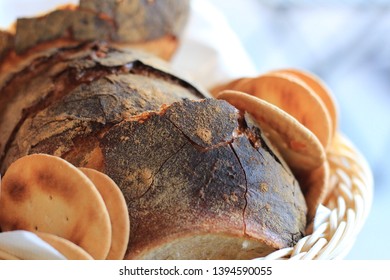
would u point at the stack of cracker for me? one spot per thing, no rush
(81, 212)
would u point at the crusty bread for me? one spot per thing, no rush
(199, 178)
(150, 25)
(192, 170)
(204, 174)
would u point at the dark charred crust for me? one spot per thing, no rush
(63, 86)
(227, 176)
(118, 21)
(141, 68)
(6, 43)
(214, 121)
(32, 31)
(153, 176)
(262, 208)
(127, 151)
(105, 7)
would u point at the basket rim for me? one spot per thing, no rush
(338, 221)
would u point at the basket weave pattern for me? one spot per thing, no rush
(345, 211)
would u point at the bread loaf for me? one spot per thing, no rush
(200, 179)
(151, 25)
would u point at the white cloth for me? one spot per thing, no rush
(210, 52)
(26, 245)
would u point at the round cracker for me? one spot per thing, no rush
(320, 88)
(46, 193)
(7, 256)
(234, 84)
(293, 96)
(68, 249)
(314, 185)
(117, 209)
(299, 147)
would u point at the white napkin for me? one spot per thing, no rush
(26, 245)
(210, 52)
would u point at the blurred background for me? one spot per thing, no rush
(345, 43)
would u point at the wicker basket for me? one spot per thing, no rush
(341, 218)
